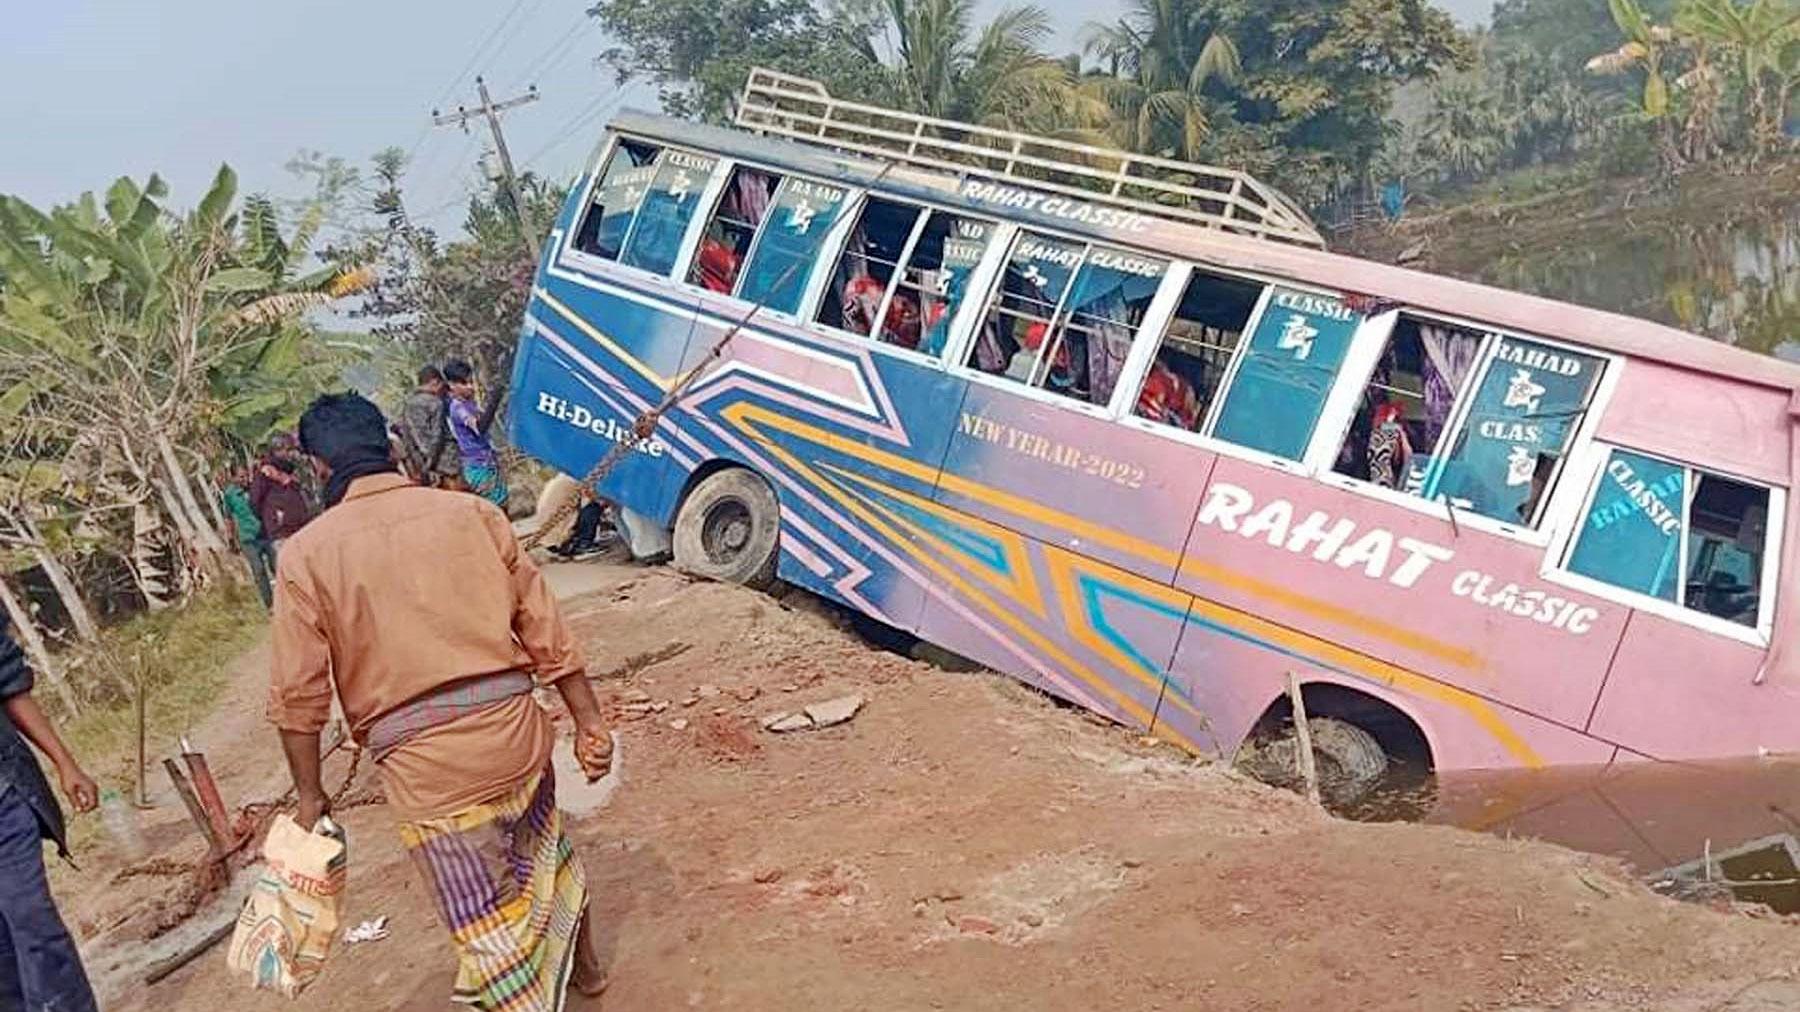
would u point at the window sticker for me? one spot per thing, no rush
(1287, 372)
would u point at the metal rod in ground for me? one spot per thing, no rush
(210, 802)
(185, 791)
(143, 784)
(1303, 752)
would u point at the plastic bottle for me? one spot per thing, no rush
(121, 824)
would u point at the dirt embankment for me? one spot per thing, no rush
(966, 844)
(1464, 239)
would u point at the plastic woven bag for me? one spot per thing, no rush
(291, 916)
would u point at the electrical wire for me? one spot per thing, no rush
(574, 126)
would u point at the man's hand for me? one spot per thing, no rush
(78, 787)
(312, 808)
(594, 751)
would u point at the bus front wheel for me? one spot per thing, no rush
(729, 529)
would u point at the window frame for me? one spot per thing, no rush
(991, 275)
(977, 277)
(570, 255)
(1556, 563)
(806, 308)
(1341, 412)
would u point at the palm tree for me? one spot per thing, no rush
(998, 76)
(1162, 55)
(1465, 129)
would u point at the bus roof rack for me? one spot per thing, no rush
(802, 109)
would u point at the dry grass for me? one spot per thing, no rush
(182, 655)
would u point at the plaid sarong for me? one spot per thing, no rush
(441, 706)
(510, 890)
(486, 481)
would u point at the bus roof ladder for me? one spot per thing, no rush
(802, 109)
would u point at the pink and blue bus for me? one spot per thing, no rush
(1123, 429)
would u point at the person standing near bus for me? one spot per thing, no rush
(480, 464)
(279, 497)
(246, 531)
(439, 688)
(40, 968)
(429, 448)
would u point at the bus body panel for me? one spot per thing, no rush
(1732, 427)
(1084, 483)
(1681, 693)
(1233, 681)
(1454, 621)
(1167, 585)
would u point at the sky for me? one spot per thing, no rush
(103, 88)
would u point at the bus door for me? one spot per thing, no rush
(608, 329)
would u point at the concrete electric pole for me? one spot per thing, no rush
(491, 110)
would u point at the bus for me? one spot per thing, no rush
(1122, 428)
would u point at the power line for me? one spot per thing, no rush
(474, 57)
(573, 128)
(491, 110)
(553, 56)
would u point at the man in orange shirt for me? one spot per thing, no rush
(418, 608)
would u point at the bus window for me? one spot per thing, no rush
(937, 276)
(1108, 301)
(793, 235)
(1527, 404)
(615, 203)
(731, 231)
(1408, 404)
(1197, 350)
(654, 243)
(1286, 371)
(1027, 301)
(1642, 513)
(866, 273)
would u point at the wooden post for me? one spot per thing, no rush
(206, 791)
(143, 786)
(185, 791)
(1303, 756)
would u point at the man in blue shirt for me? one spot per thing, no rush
(40, 969)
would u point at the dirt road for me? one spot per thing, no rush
(966, 844)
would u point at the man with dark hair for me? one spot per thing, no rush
(278, 493)
(480, 465)
(430, 450)
(436, 682)
(40, 968)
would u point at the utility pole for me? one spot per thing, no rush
(491, 110)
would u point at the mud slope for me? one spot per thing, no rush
(964, 844)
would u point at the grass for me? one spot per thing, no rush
(183, 655)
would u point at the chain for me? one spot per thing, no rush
(645, 424)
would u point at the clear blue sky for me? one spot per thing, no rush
(103, 88)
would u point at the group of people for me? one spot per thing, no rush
(441, 436)
(441, 692)
(440, 439)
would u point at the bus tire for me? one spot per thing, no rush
(729, 529)
(1350, 761)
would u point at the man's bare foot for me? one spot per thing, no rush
(591, 986)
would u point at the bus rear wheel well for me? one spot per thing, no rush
(1397, 734)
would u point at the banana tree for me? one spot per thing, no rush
(117, 316)
(1756, 35)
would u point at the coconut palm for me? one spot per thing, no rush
(1162, 55)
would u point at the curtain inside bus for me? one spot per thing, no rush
(624, 181)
